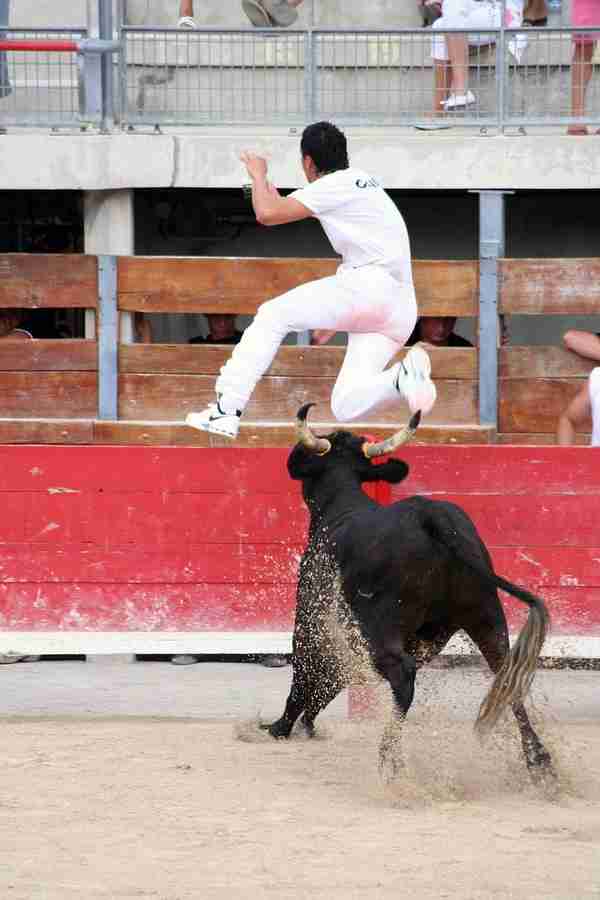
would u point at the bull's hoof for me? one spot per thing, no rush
(390, 768)
(541, 770)
(307, 727)
(277, 730)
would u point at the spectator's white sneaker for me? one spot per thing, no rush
(457, 101)
(214, 420)
(413, 381)
(187, 22)
(265, 13)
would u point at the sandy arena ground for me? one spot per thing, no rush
(148, 781)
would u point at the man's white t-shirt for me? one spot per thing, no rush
(361, 221)
(594, 389)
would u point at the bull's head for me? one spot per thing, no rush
(314, 455)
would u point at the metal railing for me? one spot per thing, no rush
(52, 77)
(515, 78)
(43, 88)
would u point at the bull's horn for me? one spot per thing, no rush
(393, 442)
(305, 435)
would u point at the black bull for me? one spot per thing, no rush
(409, 575)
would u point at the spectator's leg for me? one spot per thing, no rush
(581, 72)
(442, 72)
(458, 51)
(186, 14)
(442, 76)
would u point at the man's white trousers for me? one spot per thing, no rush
(378, 313)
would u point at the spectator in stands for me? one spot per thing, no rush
(437, 331)
(5, 86)
(431, 10)
(586, 402)
(271, 13)
(583, 12)
(142, 328)
(221, 330)
(451, 52)
(11, 322)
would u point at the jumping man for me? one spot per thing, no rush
(371, 296)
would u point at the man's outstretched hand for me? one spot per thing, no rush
(256, 165)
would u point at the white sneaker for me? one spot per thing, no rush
(214, 420)
(413, 381)
(187, 22)
(456, 101)
(265, 13)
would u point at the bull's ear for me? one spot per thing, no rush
(303, 464)
(392, 471)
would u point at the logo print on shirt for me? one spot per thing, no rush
(366, 182)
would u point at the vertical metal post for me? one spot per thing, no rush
(310, 70)
(501, 69)
(491, 247)
(108, 338)
(105, 30)
(91, 105)
(122, 61)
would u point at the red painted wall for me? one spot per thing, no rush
(142, 538)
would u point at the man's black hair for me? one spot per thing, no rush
(326, 146)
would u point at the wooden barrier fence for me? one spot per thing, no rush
(49, 389)
(175, 549)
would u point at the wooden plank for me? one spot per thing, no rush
(65, 394)
(308, 362)
(537, 440)
(49, 356)
(126, 607)
(277, 399)
(542, 362)
(48, 280)
(46, 431)
(529, 520)
(534, 405)
(549, 286)
(513, 470)
(253, 434)
(240, 285)
(550, 566)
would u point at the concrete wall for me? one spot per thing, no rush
(404, 159)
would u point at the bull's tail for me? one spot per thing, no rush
(513, 680)
(514, 677)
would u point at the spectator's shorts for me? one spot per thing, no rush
(585, 12)
(476, 14)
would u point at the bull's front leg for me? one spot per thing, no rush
(282, 728)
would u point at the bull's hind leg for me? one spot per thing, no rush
(492, 640)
